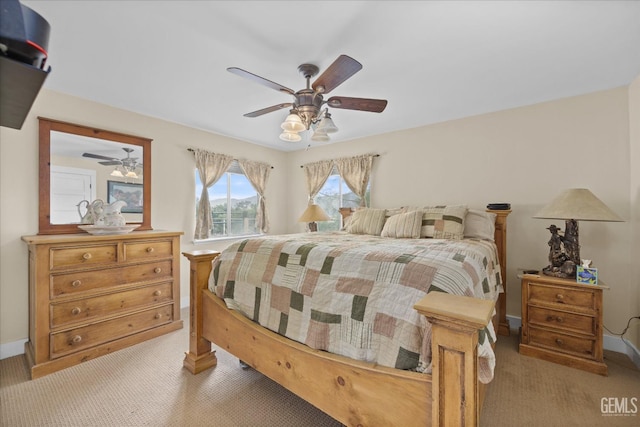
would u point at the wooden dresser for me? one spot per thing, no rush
(92, 295)
(562, 322)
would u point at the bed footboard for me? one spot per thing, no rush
(200, 357)
(354, 393)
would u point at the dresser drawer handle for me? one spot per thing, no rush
(76, 283)
(76, 339)
(559, 341)
(559, 297)
(76, 311)
(559, 319)
(556, 318)
(86, 256)
(157, 270)
(157, 293)
(149, 249)
(158, 316)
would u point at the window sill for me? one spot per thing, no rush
(223, 238)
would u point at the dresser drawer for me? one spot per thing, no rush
(95, 280)
(582, 298)
(84, 337)
(86, 255)
(140, 251)
(90, 309)
(582, 347)
(562, 320)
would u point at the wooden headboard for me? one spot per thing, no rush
(500, 237)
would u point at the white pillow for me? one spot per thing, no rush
(480, 225)
(366, 221)
(404, 225)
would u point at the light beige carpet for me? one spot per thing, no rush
(145, 385)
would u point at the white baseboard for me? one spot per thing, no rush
(609, 342)
(11, 349)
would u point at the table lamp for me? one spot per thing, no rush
(573, 205)
(312, 214)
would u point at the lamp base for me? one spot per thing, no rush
(313, 226)
(566, 271)
(564, 251)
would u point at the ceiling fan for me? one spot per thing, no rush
(129, 164)
(307, 107)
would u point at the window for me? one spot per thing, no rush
(336, 194)
(233, 203)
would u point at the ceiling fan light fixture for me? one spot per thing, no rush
(320, 137)
(293, 124)
(290, 136)
(117, 173)
(326, 125)
(131, 174)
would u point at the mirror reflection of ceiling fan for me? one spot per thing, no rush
(123, 167)
(306, 109)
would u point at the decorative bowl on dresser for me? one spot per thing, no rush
(90, 295)
(562, 322)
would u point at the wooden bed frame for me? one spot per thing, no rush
(353, 392)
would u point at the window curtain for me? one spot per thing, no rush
(258, 175)
(317, 174)
(356, 172)
(211, 167)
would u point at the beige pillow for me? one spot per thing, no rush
(443, 222)
(366, 221)
(404, 225)
(480, 225)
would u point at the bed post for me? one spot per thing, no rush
(200, 356)
(455, 395)
(500, 237)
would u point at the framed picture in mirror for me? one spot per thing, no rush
(130, 193)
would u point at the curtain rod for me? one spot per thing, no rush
(193, 151)
(373, 155)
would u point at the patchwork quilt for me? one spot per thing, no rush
(354, 294)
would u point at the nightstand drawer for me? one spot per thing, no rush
(88, 336)
(91, 309)
(541, 294)
(562, 320)
(582, 347)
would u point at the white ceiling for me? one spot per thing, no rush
(432, 60)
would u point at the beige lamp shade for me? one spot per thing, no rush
(314, 213)
(579, 204)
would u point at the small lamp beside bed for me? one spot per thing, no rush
(312, 214)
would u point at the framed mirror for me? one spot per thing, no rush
(81, 163)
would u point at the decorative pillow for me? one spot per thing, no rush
(367, 221)
(480, 225)
(404, 225)
(443, 222)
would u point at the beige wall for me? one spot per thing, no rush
(172, 184)
(524, 156)
(634, 196)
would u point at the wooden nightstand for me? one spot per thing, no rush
(562, 322)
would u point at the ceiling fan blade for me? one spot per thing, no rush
(260, 80)
(97, 156)
(362, 104)
(268, 110)
(111, 163)
(341, 69)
